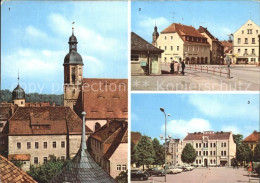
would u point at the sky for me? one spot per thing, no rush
(35, 35)
(190, 113)
(220, 17)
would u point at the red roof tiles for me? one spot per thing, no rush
(212, 136)
(45, 120)
(253, 137)
(105, 98)
(135, 137)
(9, 173)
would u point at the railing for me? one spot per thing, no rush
(210, 69)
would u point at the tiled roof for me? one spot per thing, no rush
(5, 112)
(9, 173)
(138, 44)
(105, 98)
(226, 43)
(253, 137)
(205, 30)
(39, 104)
(135, 137)
(212, 136)
(22, 157)
(45, 120)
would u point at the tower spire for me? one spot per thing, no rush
(73, 28)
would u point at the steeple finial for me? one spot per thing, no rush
(83, 137)
(18, 76)
(73, 28)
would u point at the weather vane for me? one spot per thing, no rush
(73, 27)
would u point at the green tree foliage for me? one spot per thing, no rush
(144, 152)
(188, 154)
(244, 153)
(159, 152)
(237, 138)
(6, 96)
(257, 153)
(18, 163)
(133, 154)
(45, 172)
(122, 177)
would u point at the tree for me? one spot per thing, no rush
(45, 172)
(244, 153)
(144, 152)
(237, 138)
(188, 154)
(133, 154)
(122, 177)
(18, 163)
(159, 152)
(257, 153)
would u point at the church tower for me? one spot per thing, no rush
(18, 95)
(155, 35)
(73, 73)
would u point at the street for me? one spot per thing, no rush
(207, 175)
(242, 78)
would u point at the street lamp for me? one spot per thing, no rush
(165, 138)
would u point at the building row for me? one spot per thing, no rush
(179, 42)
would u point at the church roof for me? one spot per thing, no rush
(73, 57)
(138, 44)
(45, 120)
(82, 168)
(18, 93)
(105, 98)
(9, 173)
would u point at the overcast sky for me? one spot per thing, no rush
(238, 113)
(220, 17)
(35, 36)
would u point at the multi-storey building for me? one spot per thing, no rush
(212, 148)
(252, 140)
(246, 43)
(183, 42)
(174, 151)
(216, 48)
(228, 49)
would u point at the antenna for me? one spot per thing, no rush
(173, 13)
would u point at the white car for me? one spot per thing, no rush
(174, 170)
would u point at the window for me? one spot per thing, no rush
(62, 144)
(200, 144)
(45, 159)
(204, 153)
(178, 48)
(123, 167)
(165, 37)
(196, 145)
(36, 145)
(246, 40)
(256, 31)
(238, 40)
(210, 153)
(214, 153)
(199, 161)
(196, 161)
(210, 144)
(214, 144)
(73, 75)
(171, 48)
(62, 158)
(211, 161)
(200, 153)
(53, 144)
(171, 37)
(214, 161)
(238, 50)
(242, 32)
(165, 47)
(245, 51)
(253, 40)
(165, 59)
(225, 153)
(118, 167)
(225, 144)
(134, 57)
(21, 102)
(35, 160)
(188, 38)
(249, 31)
(45, 145)
(18, 145)
(28, 145)
(207, 153)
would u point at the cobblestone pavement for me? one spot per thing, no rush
(243, 78)
(207, 175)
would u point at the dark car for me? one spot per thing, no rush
(138, 175)
(155, 171)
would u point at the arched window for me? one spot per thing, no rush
(97, 126)
(73, 75)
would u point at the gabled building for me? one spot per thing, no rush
(212, 148)
(252, 140)
(174, 150)
(216, 48)
(109, 143)
(44, 131)
(9, 173)
(228, 49)
(145, 57)
(246, 43)
(183, 42)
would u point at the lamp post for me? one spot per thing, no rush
(165, 144)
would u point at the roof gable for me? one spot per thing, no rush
(212, 136)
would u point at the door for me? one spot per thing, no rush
(154, 64)
(205, 162)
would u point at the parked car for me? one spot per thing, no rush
(174, 170)
(155, 171)
(187, 168)
(138, 175)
